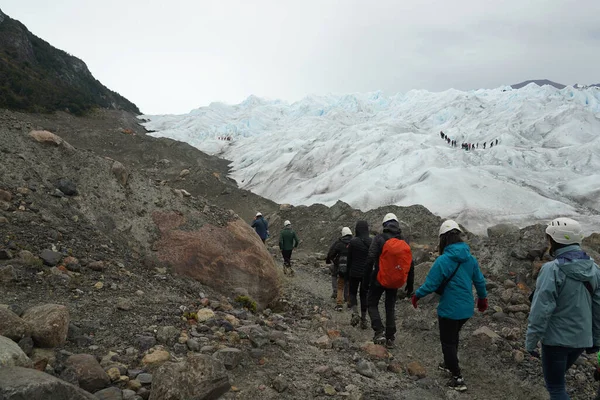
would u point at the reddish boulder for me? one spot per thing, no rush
(224, 258)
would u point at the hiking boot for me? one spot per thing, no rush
(339, 308)
(457, 383)
(389, 343)
(292, 271)
(355, 320)
(364, 324)
(442, 367)
(334, 295)
(379, 338)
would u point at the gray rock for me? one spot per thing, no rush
(7, 274)
(11, 354)
(90, 375)
(129, 394)
(24, 383)
(179, 348)
(145, 378)
(167, 335)
(144, 343)
(365, 368)
(506, 232)
(12, 326)
(124, 304)
(193, 345)
(198, 377)
(49, 323)
(97, 266)
(280, 384)
(120, 172)
(26, 344)
(67, 187)
(50, 257)
(230, 357)
(340, 343)
(111, 393)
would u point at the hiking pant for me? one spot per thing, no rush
(334, 286)
(449, 332)
(373, 297)
(364, 288)
(287, 256)
(341, 292)
(556, 360)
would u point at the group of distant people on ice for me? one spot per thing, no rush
(464, 145)
(565, 305)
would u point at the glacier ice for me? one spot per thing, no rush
(371, 150)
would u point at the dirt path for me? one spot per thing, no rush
(418, 340)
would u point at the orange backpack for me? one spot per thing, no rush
(394, 263)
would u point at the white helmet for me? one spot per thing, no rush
(346, 231)
(389, 217)
(565, 231)
(287, 223)
(448, 226)
(259, 214)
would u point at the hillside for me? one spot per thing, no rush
(36, 77)
(370, 150)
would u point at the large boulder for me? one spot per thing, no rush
(88, 372)
(50, 324)
(49, 138)
(12, 326)
(199, 377)
(28, 384)
(508, 232)
(11, 354)
(224, 258)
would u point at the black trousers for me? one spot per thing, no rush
(287, 256)
(449, 333)
(373, 297)
(355, 283)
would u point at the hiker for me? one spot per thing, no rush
(565, 311)
(261, 226)
(484, 145)
(288, 241)
(496, 142)
(390, 260)
(358, 275)
(338, 257)
(491, 144)
(442, 134)
(597, 376)
(452, 276)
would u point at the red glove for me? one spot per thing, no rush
(414, 300)
(482, 304)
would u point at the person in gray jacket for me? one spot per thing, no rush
(565, 312)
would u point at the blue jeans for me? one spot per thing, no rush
(556, 360)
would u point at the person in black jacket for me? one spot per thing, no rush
(391, 229)
(338, 256)
(358, 275)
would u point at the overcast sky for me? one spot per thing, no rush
(173, 56)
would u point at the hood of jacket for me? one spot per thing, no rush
(361, 229)
(346, 239)
(575, 264)
(393, 228)
(458, 252)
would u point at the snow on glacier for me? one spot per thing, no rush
(371, 150)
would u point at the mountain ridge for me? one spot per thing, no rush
(37, 77)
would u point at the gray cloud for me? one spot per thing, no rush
(172, 57)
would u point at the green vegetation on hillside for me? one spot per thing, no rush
(36, 77)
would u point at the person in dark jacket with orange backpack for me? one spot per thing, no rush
(358, 275)
(394, 263)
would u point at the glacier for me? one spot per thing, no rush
(372, 150)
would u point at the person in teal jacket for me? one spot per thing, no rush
(453, 273)
(565, 311)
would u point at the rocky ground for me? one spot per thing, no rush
(126, 272)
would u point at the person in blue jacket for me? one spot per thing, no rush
(565, 311)
(453, 275)
(261, 226)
